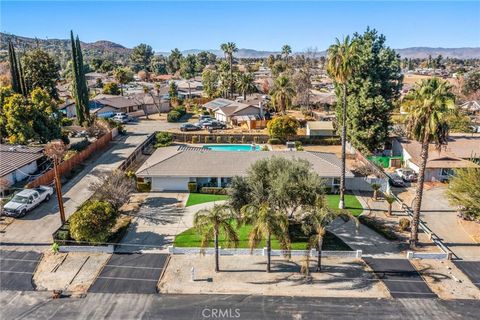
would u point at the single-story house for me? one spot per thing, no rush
(458, 153)
(234, 112)
(172, 168)
(320, 129)
(104, 105)
(68, 108)
(472, 107)
(18, 162)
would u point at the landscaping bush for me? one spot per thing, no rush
(379, 227)
(243, 139)
(231, 139)
(173, 116)
(274, 141)
(214, 190)
(192, 186)
(164, 139)
(114, 187)
(93, 222)
(265, 148)
(219, 139)
(63, 235)
(282, 128)
(255, 140)
(143, 186)
(404, 224)
(194, 139)
(207, 139)
(80, 145)
(120, 229)
(65, 122)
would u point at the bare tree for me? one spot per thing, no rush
(113, 187)
(55, 150)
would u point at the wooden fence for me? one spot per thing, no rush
(67, 165)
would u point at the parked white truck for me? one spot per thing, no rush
(26, 200)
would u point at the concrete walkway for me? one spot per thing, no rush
(34, 231)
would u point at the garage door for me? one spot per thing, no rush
(170, 183)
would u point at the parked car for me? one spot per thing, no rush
(189, 127)
(205, 117)
(26, 200)
(396, 180)
(121, 117)
(406, 174)
(214, 125)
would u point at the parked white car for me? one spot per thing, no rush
(406, 174)
(26, 200)
(121, 117)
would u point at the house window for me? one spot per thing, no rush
(336, 182)
(446, 172)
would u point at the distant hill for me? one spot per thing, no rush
(61, 48)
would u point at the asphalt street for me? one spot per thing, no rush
(39, 305)
(17, 269)
(471, 270)
(130, 273)
(401, 278)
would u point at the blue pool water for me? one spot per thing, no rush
(232, 147)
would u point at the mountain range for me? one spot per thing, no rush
(110, 48)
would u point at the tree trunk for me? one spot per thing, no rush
(269, 249)
(341, 204)
(319, 258)
(389, 209)
(231, 75)
(419, 193)
(189, 90)
(244, 96)
(217, 268)
(58, 189)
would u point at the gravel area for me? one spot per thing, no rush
(341, 277)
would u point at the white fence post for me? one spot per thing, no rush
(264, 251)
(409, 255)
(359, 254)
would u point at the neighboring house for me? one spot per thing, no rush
(234, 112)
(472, 107)
(458, 153)
(172, 168)
(320, 129)
(104, 105)
(18, 162)
(68, 108)
(192, 87)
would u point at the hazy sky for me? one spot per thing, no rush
(263, 25)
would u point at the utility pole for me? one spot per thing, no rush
(55, 151)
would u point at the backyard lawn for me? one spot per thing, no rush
(197, 198)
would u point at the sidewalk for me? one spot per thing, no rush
(34, 231)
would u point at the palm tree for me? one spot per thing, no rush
(375, 188)
(390, 200)
(430, 102)
(286, 51)
(266, 223)
(340, 67)
(246, 84)
(282, 93)
(210, 222)
(314, 223)
(229, 49)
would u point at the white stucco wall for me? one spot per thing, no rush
(170, 183)
(22, 173)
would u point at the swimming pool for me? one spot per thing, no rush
(232, 147)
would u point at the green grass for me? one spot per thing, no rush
(351, 203)
(198, 198)
(190, 238)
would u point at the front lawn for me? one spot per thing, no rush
(198, 198)
(351, 203)
(190, 238)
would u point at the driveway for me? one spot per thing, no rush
(16, 270)
(34, 231)
(442, 219)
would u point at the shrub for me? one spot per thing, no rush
(231, 139)
(194, 139)
(192, 186)
(66, 122)
(173, 116)
(243, 139)
(143, 186)
(207, 139)
(255, 140)
(111, 88)
(404, 224)
(265, 148)
(282, 127)
(378, 226)
(164, 139)
(213, 190)
(274, 141)
(63, 235)
(93, 222)
(219, 139)
(113, 187)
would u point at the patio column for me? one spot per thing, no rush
(219, 182)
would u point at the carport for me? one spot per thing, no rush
(471, 270)
(17, 269)
(130, 273)
(400, 278)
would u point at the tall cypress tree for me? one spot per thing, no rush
(15, 75)
(79, 82)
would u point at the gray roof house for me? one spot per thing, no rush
(172, 168)
(18, 162)
(227, 110)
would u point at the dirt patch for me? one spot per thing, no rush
(73, 272)
(472, 228)
(341, 277)
(446, 280)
